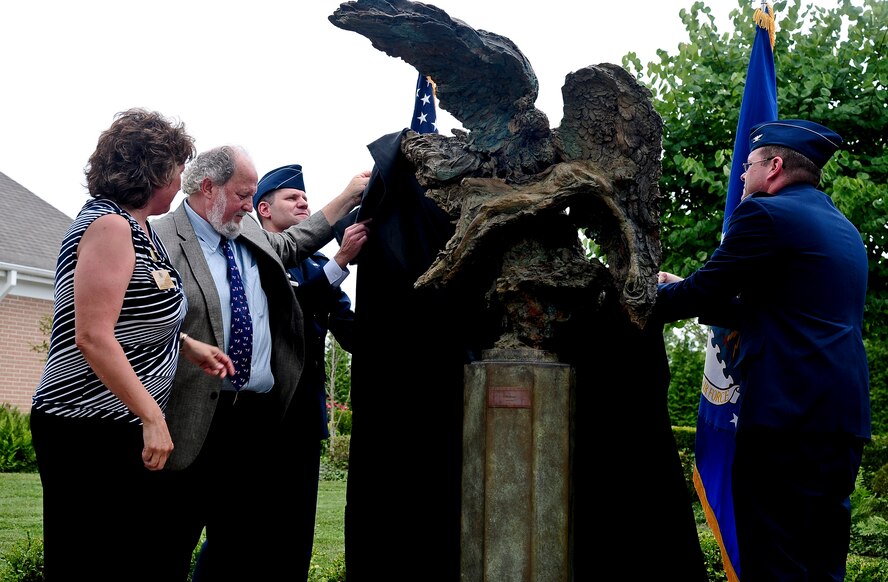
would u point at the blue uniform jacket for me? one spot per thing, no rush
(324, 307)
(799, 268)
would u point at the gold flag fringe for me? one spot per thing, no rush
(766, 20)
(435, 87)
(730, 573)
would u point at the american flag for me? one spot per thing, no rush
(424, 113)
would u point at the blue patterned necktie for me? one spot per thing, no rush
(240, 342)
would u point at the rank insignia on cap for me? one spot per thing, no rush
(284, 177)
(812, 140)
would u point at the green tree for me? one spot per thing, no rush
(830, 68)
(337, 365)
(685, 346)
(45, 325)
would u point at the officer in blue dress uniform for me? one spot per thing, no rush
(280, 202)
(791, 276)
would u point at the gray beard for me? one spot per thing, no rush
(230, 229)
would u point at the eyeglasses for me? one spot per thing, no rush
(747, 164)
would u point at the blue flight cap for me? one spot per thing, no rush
(283, 177)
(812, 140)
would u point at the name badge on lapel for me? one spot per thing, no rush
(163, 279)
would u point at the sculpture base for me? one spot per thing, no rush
(516, 468)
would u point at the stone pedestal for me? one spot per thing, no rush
(516, 468)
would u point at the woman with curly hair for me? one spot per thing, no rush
(97, 417)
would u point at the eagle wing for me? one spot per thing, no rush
(481, 78)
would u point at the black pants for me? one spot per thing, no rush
(791, 504)
(100, 504)
(227, 489)
(298, 481)
(289, 550)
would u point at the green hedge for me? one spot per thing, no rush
(16, 450)
(873, 466)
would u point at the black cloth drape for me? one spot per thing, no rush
(632, 510)
(403, 499)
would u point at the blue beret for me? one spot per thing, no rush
(812, 140)
(283, 177)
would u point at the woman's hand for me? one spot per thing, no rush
(158, 442)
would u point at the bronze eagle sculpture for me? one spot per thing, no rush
(520, 192)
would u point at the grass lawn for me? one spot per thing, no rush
(21, 513)
(329, 542)
(21, 508)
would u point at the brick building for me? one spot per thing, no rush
(31, 231)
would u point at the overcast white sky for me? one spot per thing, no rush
(274, 76)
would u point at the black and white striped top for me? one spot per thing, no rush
(147, 328)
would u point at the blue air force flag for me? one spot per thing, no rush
(722, 387)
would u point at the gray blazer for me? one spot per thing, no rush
(195, 394)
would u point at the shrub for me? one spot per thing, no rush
(195, 554)
(869, 522)
(879, 483)
(337, 451)
(874, 464)
(877, 356)
(715, 570)
(332, 572)
(16, 450)
(686, 358)
(334, 458)
(685, 437)
(24, 562)
(684, 440)
(330, 473)
(869, 537)
(687, 468)
(343, 419)
(865, 569)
